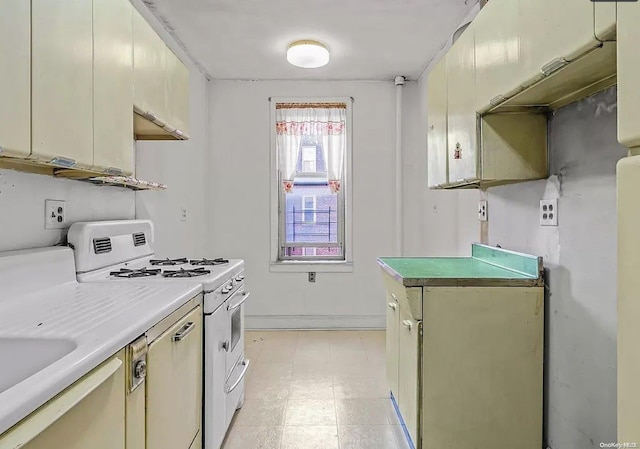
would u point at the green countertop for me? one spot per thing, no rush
(487, 266)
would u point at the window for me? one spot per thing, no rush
(309, 209)
(310, 192)
(309, 159)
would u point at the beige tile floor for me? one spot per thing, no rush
(316, 390)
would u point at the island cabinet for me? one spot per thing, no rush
(465, 348)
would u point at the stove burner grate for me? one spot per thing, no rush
(166, 262)
(218, 261)
(127, 273)
(182, 273)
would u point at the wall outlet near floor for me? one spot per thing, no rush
(55, 214)
(183, 214)
(483, 212)
(549, 212)
(312, 276)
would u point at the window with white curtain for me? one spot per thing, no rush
(310, 157)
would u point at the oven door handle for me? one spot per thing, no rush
(245, 295)
(245, 363)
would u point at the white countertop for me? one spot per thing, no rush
(100, 319)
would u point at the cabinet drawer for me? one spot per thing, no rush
(409, 298)
(174, 398)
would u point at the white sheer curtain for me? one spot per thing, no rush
(327, 122)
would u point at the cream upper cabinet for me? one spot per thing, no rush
(113, 86)
(149, 66)
(461, 109)
(62, 82)
(393, 321)
(15, 78)
(497, 43)
(174, 385)
(437, 125)
(177, 93)
(628, 74)
(551, 30)
(605, 20)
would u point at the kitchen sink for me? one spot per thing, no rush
(23, 357)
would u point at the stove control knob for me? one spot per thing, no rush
(140, 369)
(239, 278)
(224, 291)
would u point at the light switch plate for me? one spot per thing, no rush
(549, 212)
(55, 214)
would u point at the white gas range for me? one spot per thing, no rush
(121, 252)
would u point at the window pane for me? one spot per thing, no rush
(309, 221)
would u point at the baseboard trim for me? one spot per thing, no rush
(263, 322)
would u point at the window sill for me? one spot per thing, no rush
(328, 266)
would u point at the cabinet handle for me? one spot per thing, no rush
(226, 345)
(497, 99)
(55, 409)
(553, 66)
(408, 324)
(228, 389)
(186, 330)
(393, 305)
(245, 295)
(394, 297)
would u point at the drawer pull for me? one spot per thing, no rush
(394, 297)
(408, 324)
(186, 330)
(229, 389)
(393, 305)
(553, 66)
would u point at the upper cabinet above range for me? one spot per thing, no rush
(161, 87)
(543, 53)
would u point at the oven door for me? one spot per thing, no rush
(235, 314)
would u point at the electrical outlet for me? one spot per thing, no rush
(183, 214)
(482, 210)
(549, 212)
(312, 276)
(55, 214)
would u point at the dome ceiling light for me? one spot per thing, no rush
(308, 54)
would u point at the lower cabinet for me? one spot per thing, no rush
(174, 385)
(393, 344)
(409, 373)
(88, 414)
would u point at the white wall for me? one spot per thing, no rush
(183, 166)
(240, 209)
(580, 262)
(22, 197)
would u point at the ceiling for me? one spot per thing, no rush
(368, 39)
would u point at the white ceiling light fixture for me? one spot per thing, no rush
(308, 54)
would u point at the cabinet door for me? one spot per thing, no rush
(113, 85)
(628, 74)
(149, 65)
(62, 81)
(497, 47)
(437, 125)
(15, 78)
(89, 414)
(552, 29)
(461, 109)
(605, 20)
(174, 385)
(409, 360)
(393, 321)
(177, 93)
